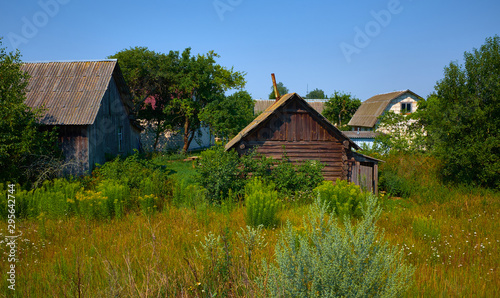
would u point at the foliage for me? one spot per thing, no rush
(462, 117)
(229, 115)
(200, 81)
(316, 94)
(342, 198)
(150, 77)
(187, 194)
(171, 90)
(290, 178)
(326, 259)
(218, 172)
(282, 90)
(403, 133)
(118, 198)
(137, 173)
(262, 203)
(340, 108)
(24, 147)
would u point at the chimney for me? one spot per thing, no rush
(276, 92)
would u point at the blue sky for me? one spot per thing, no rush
(361, 47)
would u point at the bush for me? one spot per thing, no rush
(262, 203)
(220, 171)
(187, 195)
(342, 198)
(323, 258)
(118, 197)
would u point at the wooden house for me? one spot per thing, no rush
(293, 125)
(90, 104)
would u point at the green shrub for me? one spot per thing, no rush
(324, 258)
(220, 171)
(118, 197)
(187, 195)
(55, 199)
(290, 178)
(262, 203)
(92, 205)
(343, 198)
(148, 204)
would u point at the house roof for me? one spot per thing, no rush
(361, 134)
(373, 107)
(70, 93)
(272, 109)
(262, 104)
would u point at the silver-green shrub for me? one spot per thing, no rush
(327, 258)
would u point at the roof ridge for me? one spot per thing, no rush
(71, 61)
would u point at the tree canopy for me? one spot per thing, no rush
(316, 94)
(24, 148)
(462, 117)
(172, 89)
(229, 115)
(281, 89)
(340, 108)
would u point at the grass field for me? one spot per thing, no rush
(454, 244)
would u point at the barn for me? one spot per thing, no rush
(89, 103)
(293, 125)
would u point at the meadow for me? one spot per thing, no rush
(142, 227)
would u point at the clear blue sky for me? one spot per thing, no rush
(361, 47)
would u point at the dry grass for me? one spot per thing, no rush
(454, 245)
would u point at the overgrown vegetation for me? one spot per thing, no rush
(322, 258)
(262, 203)
(221, 172)
(27, 152)
(342, 198)
(189, 247)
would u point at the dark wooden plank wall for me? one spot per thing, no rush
(303, 138)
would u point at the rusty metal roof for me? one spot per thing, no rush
(271, 110)
(262, 104)
(372, 108)
(70, 93)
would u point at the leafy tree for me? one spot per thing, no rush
(228, 115)
(150, 77)
(200, 81)
(24, 148)
(401, 133)
(172, 89)
(316, 94)
(281, 89)
(341, 107)
(462, 118)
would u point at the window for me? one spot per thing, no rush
(406, 107)
(120, 138)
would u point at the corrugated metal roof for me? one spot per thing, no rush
(263, 104)
(70, 93)
(361, 134)
(370, 109)
(271, 110)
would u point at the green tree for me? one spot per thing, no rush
(341, 107)
(281, 89)
(462, 118)
(199, 81)
(316, 94)
(400, 132)
(25, 149)
(228, 115)
(150, 77)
